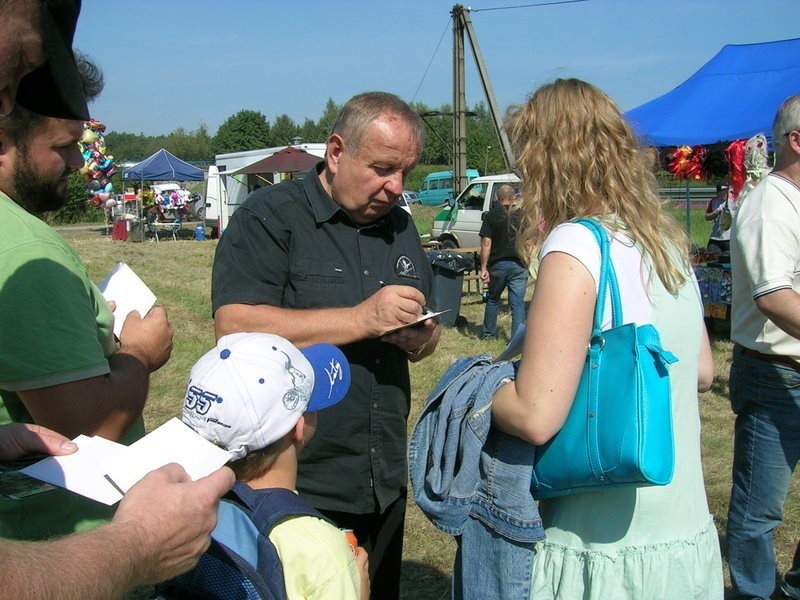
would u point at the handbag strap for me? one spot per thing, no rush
(608, 278)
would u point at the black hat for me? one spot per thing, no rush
(55, 88)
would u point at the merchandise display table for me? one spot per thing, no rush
(714, 280)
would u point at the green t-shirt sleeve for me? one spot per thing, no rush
(54, 323)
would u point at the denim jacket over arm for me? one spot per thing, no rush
(461, 467)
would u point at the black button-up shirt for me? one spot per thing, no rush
(291, 246)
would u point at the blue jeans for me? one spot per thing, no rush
(502, 274)
(475, 573)
(766, 400)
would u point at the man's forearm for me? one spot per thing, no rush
(106, 405)
(94, 565)
(486, 249)
(335, 326)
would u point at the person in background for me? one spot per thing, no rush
(140, 545)
(332, 258)
(765, 372)
(580, 158)
(264, 433)
(65, 370)
(719, 211)
(501, 266)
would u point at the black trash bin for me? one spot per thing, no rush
(448, 280)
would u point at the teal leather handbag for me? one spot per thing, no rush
(619, 429)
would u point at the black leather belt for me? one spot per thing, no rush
(778, 359)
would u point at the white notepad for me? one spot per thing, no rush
(124, 287)
(424, 316)
(78, 472)
(104, 470)
(174, 442)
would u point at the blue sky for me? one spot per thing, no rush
(182, 63)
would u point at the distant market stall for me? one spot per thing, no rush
(733, 98)
(161, 166)
(289, 160)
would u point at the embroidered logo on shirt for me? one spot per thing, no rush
(404, 267)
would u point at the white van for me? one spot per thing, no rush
(217, 212)
(458, 224)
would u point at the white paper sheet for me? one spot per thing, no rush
(88, 470)
(420, 319)
(79, 472)
(124, 287)
(172, 442)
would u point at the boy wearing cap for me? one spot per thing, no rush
(255, 395)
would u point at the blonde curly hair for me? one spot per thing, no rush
(578, 157)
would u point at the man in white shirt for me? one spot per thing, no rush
(765, 373)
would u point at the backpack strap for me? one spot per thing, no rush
(262, 511)
(242, 563)
(271, 506)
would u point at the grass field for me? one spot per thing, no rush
(179, 274)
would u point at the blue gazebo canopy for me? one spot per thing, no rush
(162, 166)
(733, 96)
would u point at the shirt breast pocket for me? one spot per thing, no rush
(314, 272)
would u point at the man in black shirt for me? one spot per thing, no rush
(501, 266)
(332, 258)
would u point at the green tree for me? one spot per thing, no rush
(192, 146)
(77, 208)
(311, 133)
(246, 130)
(484, 151)
(438, 135)
(325, 123)
(126, 147)
(283, 130)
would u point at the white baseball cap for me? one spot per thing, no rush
(252, 388)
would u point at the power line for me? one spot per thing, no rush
(526, 5)
(446, 27)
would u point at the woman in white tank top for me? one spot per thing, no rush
(579, 158)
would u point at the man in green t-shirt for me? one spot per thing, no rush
(141, 545)
(61, 366)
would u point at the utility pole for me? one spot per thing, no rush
(462, 23)
(459, 104)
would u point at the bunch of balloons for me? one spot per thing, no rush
(98, 166)
(688, 163)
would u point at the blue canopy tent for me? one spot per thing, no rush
(162, 166)
(733, 96)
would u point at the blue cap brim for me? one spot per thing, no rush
(331, 375)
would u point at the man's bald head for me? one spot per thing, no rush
(506, 195)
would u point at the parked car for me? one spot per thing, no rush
(402, 202)
(410, 197)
